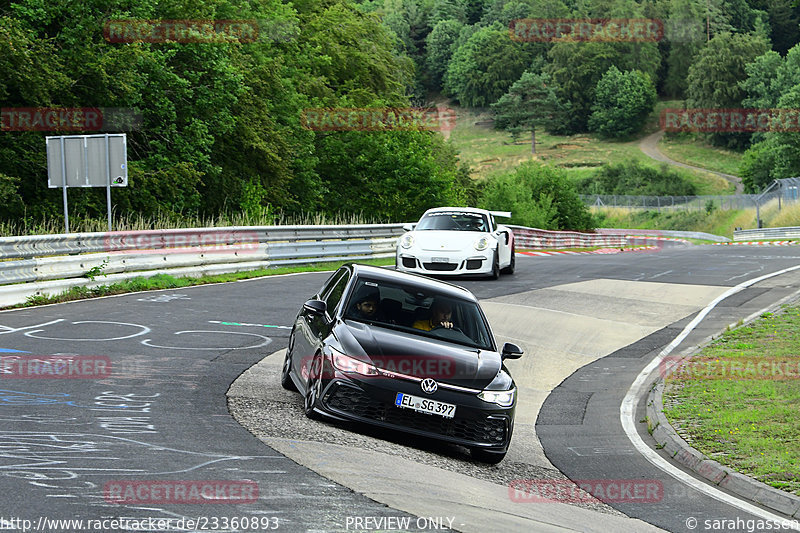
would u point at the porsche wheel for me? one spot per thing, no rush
(495, 267)
(510, 268)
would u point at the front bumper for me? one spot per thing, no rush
(476, 424)
(445, 263)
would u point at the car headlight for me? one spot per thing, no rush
(482, 243)
(345, 363)
(504, 398)
(407, 240)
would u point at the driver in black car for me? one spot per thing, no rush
(366, 306)
(441, 312)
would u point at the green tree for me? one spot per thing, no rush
(778, 155)
(784, 20)
(504, 12)
(447, 10)
(769, 77)
(393, 175)
(439, 47)
(757, 165)
(538, 196)
(623, 101)
(221, 124)
(475, 10)
(485, 66)
(578, 66)
(684, 33)
(532, 101)
(713, 81)
(11, 205)
(349, 54)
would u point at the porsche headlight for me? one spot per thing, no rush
(407, 240)
(482, 243)
(504, 398)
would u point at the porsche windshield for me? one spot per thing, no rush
(408, 308)
(453, 221)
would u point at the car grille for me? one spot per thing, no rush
(440, 267)
(354, 401)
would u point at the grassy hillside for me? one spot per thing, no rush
(489, 151)
(699, 154)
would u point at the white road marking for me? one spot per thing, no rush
(628, 410)
(144, 329)
(264, 342)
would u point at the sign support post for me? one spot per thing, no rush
(108, 182)
(64, 182)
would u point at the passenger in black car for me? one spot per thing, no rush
(441, 313)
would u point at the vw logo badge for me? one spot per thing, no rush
(428, 386)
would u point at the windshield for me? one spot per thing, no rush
(453, 221)
(426, 313)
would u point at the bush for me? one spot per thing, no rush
(634, 178)
(538, 196)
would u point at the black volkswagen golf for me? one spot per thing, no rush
(405, 352)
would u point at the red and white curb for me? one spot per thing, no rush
(758, 243)
(656, 238)
(602, 251)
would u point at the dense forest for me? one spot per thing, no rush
(222, 122)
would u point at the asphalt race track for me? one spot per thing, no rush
(165, 413)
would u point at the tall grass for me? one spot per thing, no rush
(789, 215)
(137, 222)
(717, 221)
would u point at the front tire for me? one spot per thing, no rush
(313, 386)
(510, 268)
(495, 267)
(286, 378)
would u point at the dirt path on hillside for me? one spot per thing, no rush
(649, 145)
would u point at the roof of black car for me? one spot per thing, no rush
(424, 282)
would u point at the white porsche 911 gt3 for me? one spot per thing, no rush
(457, 241)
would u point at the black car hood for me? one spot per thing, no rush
(415, 355)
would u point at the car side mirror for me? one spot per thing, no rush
(511, 351)
(315, 307)
(408, 227)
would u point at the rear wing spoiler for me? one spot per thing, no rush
(504, 214)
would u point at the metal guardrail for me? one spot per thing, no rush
(50, 264)
(792, 232)
(612, 237)
(672, 234)
(116, 241)
(41, 257)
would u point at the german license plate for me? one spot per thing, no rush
(439, 260)
(425, 405)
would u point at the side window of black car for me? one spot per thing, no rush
(335, 295)
(336, 276)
